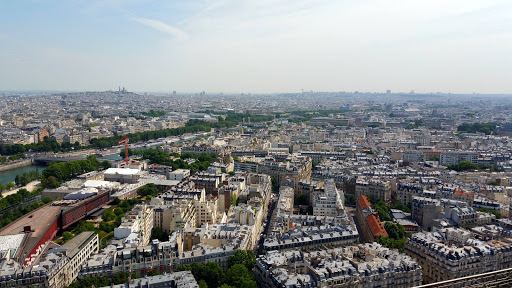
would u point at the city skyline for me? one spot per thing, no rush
(257, 47)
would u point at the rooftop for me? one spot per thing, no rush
(122, 171)
(363, 202)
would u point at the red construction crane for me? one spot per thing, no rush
(125, 140)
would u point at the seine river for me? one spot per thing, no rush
(9, 175)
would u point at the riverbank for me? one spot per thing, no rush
(17, 164)
(30, 187)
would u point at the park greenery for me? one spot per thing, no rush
(153, 113)
(487, 128)
(496, 213)
(155, 156)
(383, 209)
(56, 173)
(47, 145)
(150, 189)
(238, 275)
(244, 257)
(396, 239)
(27, 177)
(116, 279)
(464, 166)
(415, 124)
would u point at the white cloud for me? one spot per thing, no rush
(162, 27)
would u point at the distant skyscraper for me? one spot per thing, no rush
(173, 92)
(388, 91)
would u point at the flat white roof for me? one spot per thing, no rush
(180, 171)
(98, 183)
(122, 171)
(9, 242)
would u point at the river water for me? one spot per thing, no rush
(9, 175)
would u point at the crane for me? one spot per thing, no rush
(125, 140)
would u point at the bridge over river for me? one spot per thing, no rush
(49, 159)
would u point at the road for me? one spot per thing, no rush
(273, 203)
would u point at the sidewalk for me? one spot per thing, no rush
(30, 187)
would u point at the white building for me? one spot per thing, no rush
(179, 175)
(122, 175)
(136, 226)
(328, 202)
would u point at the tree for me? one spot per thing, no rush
(210, 272)
(233, 200)
(157, 233)
(203, 284)
(149, 189)
(118, 211)
(463, 166)
(244, 257)
(400, 206)
(108, 215)
(66, 236)
(238, 276)
(120, 278)
(52, 182)
(10, 185)
(105, 164)
(301, 199)
(395, 231)
(381, 207)
(494, 212)
(275, 185)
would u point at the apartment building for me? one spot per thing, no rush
(328, 202)
(374, 187)
(361, 266)
(136, 225)
(455, 157)
(454, 253)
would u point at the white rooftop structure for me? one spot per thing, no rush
(10, 243)
(100, 184)
(122, 171)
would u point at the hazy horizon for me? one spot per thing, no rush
(260, 47)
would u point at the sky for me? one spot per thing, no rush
(260, 46)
